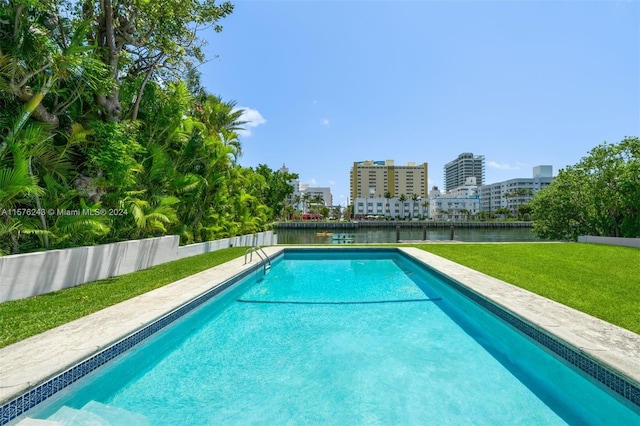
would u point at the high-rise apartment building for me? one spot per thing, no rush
(465, 166)
(373, 179)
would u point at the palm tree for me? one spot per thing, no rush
(223, 119)
(402, 199)
(388, 196)
(17, 187)
(288, 212)
(199, 166)
(425, 208)
(306, 198)
(317, 201)
(335, 212)
(297, 199)
(49, 167)
(414, 198)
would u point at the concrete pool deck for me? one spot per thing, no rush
(28, 363)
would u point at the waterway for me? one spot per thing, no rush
(389, 235)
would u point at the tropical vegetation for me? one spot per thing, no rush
(600, 195)
(107, 133)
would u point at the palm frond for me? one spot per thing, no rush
(186, 183)
(16, 184)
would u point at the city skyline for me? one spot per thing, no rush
(325, 84)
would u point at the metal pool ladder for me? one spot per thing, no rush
(264, 258)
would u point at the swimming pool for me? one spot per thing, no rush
(344, 337)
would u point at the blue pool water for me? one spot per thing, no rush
(347, 338)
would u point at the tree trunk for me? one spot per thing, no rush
(136, 106)
(107, 41)
(15, 246)
(110, 105)
(43, 219)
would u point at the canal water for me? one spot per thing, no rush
(388, 235)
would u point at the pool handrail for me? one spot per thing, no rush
(266, 261)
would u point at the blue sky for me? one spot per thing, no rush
(524, 83)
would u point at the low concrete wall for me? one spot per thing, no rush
(31, 274)
(267, 238)
(25, 275)
(614, 241)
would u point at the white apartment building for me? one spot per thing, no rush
(516, 192)
(460, 203)
(379, 207)
(317, 191)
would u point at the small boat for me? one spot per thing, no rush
(324, 234)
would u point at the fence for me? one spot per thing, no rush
(31, 274)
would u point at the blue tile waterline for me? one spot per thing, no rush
(33, 397)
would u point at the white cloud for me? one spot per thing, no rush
(332, 182)
(252, 117)
(325, 122)
(499, 166)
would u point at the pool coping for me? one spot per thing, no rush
(33, 361)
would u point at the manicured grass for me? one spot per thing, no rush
(23, 318)
(602, 281)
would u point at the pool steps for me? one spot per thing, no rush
(93, 413)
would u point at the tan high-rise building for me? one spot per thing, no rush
(375, 178)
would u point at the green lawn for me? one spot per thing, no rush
(23, 318)
(603, 281)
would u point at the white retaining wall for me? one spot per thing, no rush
(31, 274)
(614, 241)
(267, 238)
